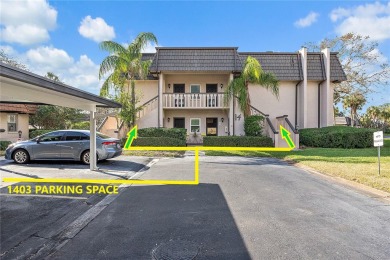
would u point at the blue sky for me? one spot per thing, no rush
(63, 36)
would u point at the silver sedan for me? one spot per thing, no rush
(63, 145)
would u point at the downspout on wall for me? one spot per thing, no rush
(296, 104)
(319, 103)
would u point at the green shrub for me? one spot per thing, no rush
(253, 125)
(178, 133)
(337, 137)
(84, 125)
(238, 141)
(37, 132)
(157, 141)
(4, 145)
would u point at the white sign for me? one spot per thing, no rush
(378, 138)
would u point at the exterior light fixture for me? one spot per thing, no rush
(169, 119)
(221, 85)
(169, 86)
(222, 119)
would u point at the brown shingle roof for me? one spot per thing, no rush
(315, 66)
(18, 108)
(196, 59)
(337, 73)
(285, 66)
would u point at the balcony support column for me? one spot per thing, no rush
(160, 100)
(231, 110)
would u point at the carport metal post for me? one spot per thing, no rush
(92, 143)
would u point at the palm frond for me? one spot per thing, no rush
(252, 69)
(108, 64)
(145, 68)
(233, 89)
(142, 40)
(112, 47)
(270, 82)
(105, 89)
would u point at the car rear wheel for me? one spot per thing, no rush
(85, 157)
(21, 156)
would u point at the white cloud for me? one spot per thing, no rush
(372, 19)
(307, 21)
(26, 22)
(150, 48)
(96, 29)
(9, 50)
(49, 57)
(81, 73)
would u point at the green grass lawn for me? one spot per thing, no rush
(360, 165)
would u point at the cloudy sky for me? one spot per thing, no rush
(63, 36)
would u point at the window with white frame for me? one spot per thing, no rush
(195, 89)
(11, 122)
(195, 125)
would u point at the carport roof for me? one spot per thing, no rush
(20, 86)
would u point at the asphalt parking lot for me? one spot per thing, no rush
(243, 208)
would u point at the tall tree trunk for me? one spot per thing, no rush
(352, 116)
(247, 111)
(133, 102)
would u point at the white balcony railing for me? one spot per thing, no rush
(194, 100)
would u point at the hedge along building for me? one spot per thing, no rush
(186, 89)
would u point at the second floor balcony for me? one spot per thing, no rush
(194, 100)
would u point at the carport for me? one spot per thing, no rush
(19, 86)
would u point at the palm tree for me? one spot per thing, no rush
(355, 101)
(374, 113)
(252, 73)
(125, 66)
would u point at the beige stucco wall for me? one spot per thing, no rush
(201, 79)
(109, 127)
(149, 120)
(146, 90)
(22, 124)
(312, 104)
(266, 102)
(238, 122)
(198, 113)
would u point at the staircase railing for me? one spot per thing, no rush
(294, 134)
(147, 107)
(268, 127)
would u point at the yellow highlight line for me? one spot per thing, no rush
(99, 181)
(154, 182)
(207, 148)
